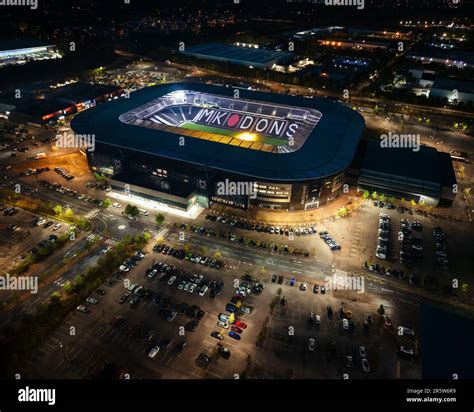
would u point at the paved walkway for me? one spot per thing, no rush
(323, 214)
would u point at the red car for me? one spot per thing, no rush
(388, 323)
(240, 324)
(236, 329)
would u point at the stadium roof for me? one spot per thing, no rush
(329, 148)
(19, 44)
(250, 56)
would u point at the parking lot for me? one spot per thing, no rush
(359, 237)
(287, 352)
(126, 343)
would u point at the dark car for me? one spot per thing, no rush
(200, 315)
(180, 346)
(234, 335)
(281, 279)
(274, 278)
(224, 352)
(192, 326)
(231, 308)
(217, 335)
(134, 302)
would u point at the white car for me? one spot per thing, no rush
(345, 324)
(381, 256)
(124, 268)
(117, 205)
(365, 365)
(186, 286)
(223, 325)
(57, 226)
(92, 301)
(311, 344)
(198, 279)
(362, 351)
(153, 352)
(41, 222)
(203, 290)
(407, 351)
(181, 285)
(172, 280)
(303, 286)
(192, 287)
(317, 320)
(83, 309)
(105, 250)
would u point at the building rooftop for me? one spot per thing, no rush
(462, 86)
(328, 149)
(244, 55)
(406, 170)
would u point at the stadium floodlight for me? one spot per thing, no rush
(247, 136)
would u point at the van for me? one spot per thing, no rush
(143, 212)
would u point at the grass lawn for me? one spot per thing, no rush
(232, 133)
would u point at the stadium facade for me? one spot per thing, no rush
(185, 144)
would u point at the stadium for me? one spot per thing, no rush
(175, 144)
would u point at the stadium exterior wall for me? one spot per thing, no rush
(173, 177)
(153, 158)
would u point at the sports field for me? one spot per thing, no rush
(254, 137)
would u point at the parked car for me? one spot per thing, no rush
(365, 365)
(217, 335)
(234, 335)
(153, 351)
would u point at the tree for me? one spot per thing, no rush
(366, 195)
(68, 212)
(375, 195)
(203, 250)
(99, 177)
(147, 236)
(381, 310)
(159, 219)
(412, 203)
(382, 198)
(58, 209)
(342, 212)
(131, 210)
(106, 203)
(55, 297)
